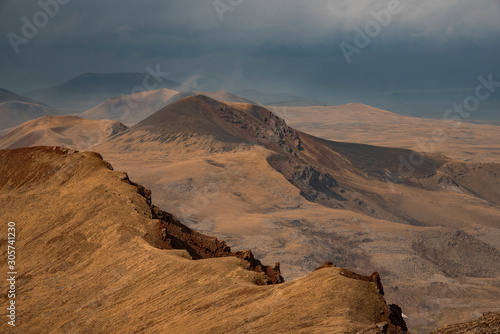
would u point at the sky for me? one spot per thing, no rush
(394, 48)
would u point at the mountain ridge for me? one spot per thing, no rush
(101, 227)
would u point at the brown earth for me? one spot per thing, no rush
(489, 323)
(88, 261)
(239, 172)
(69, 131)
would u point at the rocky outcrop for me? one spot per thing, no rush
(91, 224)
(175, 235)
(375, 277)
(273, 274)
(314, 184)
(263, 127)
(394, 321)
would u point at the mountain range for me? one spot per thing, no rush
(235, 170)
(89, 89)
(16, 109)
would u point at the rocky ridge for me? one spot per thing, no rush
(96, 240)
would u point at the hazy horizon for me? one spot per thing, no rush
(421, 59)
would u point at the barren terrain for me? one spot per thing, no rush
(424, 234)
(238, 172)
(88, 263)
(359, 123)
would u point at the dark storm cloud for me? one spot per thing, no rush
(281, 45)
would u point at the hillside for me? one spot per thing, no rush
(132, 108)
(489, 323)
(8, 96)
(90, 89)
(95, 256)
(240, 173)
(69, 131)
(16, 109)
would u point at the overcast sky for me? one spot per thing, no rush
(275, 45)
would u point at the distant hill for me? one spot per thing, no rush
(242, 172)
(364, 124)
(88, 90)
(8, 96)
(16, 109)
(282, 99)
(225, 96)
(133, 108)
(69, 131)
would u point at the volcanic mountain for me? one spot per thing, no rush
(340, 175)
(94, 256)
(239, 172)
(69, 131)
(16, 109)
(133, 108)
(89, 89)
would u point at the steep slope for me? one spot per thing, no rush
(70, 131)
(89, 89)
(16, 109)
(91, 258)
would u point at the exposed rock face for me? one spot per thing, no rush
(375, 277)
(262, 127)
(318, 180)
(273, 274)
(175, 235)
(82, 222)
(315, 184)
(489, 323)
(325, 265)
(396, 323)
